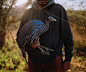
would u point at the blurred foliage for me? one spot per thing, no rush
(9, 13)
(5, 8)
(79, 45)
(78, 19)
(10, 59)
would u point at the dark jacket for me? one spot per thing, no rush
(59, 33)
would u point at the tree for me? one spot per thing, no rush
(5, 7)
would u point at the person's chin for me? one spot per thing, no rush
(43, 3)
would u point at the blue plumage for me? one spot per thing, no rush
(38, 27)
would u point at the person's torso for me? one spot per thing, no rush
(50, 38)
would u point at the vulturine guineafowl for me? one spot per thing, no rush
(30, 33)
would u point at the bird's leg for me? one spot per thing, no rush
(47, 49)
(43, 51)
(37, 44)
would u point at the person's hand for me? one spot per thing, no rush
(65, 66)
(37, 44)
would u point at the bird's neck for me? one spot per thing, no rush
(47, 22)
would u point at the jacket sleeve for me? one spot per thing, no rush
(66, 35)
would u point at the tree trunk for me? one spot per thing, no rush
(3, 16)
(2, 32)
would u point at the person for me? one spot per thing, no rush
(59, 34)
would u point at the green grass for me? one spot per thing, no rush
(11, 59)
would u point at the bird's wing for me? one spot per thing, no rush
(31, 31)
(37, 26)
(25, 33)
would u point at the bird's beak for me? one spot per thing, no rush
(54, 19)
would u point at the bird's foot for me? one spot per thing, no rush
(43, 51)
(47, 49)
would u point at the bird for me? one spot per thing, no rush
(31, 31)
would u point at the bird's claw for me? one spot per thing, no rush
(47, 50)
(43, 51)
